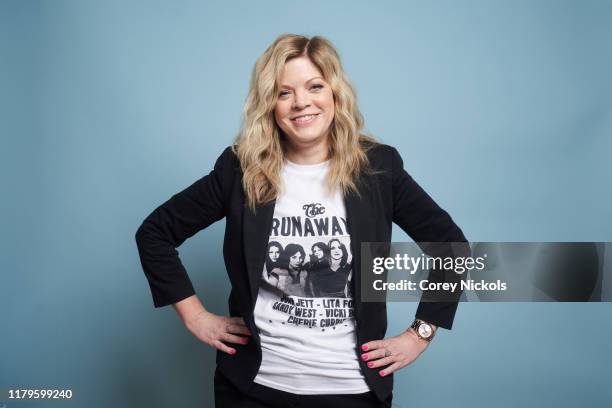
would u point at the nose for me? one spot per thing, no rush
(301, 100)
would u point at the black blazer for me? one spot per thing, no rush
(392, 196)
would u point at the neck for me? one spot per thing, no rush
(314, 153)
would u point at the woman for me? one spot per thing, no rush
(319, 256)
(316, 267)
(300, 146)
(272, 262)
(339, 267)
(292, 276)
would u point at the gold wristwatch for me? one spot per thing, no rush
(423, 330)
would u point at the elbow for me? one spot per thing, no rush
(140, 235)
(452, 231)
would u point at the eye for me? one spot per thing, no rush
(317, 86)
(283, 93)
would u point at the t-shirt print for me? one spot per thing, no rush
(309, 257)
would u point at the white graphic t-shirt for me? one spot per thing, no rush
(304, 308)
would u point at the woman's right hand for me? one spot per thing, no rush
(214, 330)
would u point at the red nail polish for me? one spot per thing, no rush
(232, 352)
(370, 364)
(364, 347)
(364, 357)
(382, 373)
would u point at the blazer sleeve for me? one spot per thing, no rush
(170, 224)
(424, 221)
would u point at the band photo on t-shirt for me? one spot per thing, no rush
(323, 269)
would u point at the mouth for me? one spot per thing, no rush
(304, 119)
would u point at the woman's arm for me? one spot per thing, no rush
(170, 224)
(424, 221)
(165, 229)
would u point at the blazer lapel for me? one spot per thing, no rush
(360, 220)
(255, 235)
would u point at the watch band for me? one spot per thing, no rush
(416, 324)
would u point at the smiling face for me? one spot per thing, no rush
(305, 107)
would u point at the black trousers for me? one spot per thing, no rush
(259, 396)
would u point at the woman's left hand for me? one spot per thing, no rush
(395, 352)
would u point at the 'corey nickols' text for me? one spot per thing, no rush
(303, 227)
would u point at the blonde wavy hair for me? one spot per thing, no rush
(259, 145)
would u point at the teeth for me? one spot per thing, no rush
(304, 118)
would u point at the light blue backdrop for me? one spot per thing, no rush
(501, 109)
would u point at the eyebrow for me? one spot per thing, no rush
(311, 79)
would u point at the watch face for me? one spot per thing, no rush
(425, 330)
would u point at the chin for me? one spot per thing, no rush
(306, 137)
